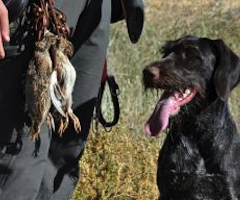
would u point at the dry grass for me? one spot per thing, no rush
(121, 164)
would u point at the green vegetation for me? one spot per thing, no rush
(121, 164)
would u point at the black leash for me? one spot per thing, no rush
(108, 78)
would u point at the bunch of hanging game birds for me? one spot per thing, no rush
(50, 76)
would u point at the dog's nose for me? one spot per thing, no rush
(150, 72)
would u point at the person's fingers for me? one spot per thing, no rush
(4, 22)
(4, 28)
(2, 52)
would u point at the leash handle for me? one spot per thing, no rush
(114, 91)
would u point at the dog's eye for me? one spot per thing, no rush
(184, 55)
(189, 55)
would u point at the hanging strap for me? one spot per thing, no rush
(134, 15)
(114, 92)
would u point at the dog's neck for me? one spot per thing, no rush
(205, 121)
(216, 114)
(214, 125)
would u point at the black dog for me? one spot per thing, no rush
(200, 158)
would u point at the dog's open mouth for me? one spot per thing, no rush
(168, 105)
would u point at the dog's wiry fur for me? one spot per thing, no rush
(200, 158)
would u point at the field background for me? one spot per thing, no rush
(121, 164)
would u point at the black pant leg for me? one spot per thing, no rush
(25, 171)
(20, 172)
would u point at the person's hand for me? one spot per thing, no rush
(4, 28)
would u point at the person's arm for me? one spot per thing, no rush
(4, 28)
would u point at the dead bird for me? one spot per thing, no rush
(38, 81)
(64, 79)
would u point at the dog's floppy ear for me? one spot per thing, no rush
(227, 70)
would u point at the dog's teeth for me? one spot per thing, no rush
(187, 91)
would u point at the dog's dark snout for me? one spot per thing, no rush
(150, 72)
(150, 76)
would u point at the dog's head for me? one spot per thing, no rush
(193, 71)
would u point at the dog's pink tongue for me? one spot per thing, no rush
(161, 114)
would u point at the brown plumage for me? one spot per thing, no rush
(38, 79)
